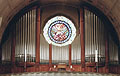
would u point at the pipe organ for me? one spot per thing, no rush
(94, 37)
(113, 51)
(6, 51)
(25, 37)
(44, 51)
(60, 54)
(76, 51)
(54, 48)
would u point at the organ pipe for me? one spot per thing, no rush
(44, 51)
(60, 54)
(113, 51)
(76, 51)
(34, 34)
(6, 51)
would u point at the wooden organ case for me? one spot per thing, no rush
(27, 50)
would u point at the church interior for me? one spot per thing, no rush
(59, 37)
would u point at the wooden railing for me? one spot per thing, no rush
(58, 74)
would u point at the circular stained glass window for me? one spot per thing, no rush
(59, 31)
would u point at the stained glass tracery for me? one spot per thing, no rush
(59, 31)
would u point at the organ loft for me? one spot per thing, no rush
(61, 37)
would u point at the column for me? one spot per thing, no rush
(38, 37)
(82, 38)
(50, 55)
(69, 54)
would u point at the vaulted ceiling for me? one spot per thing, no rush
(9, 8)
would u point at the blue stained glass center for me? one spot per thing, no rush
(59, 31)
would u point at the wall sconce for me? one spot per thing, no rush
(54, 66)
(71, 66)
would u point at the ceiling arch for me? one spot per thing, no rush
(9, 8)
